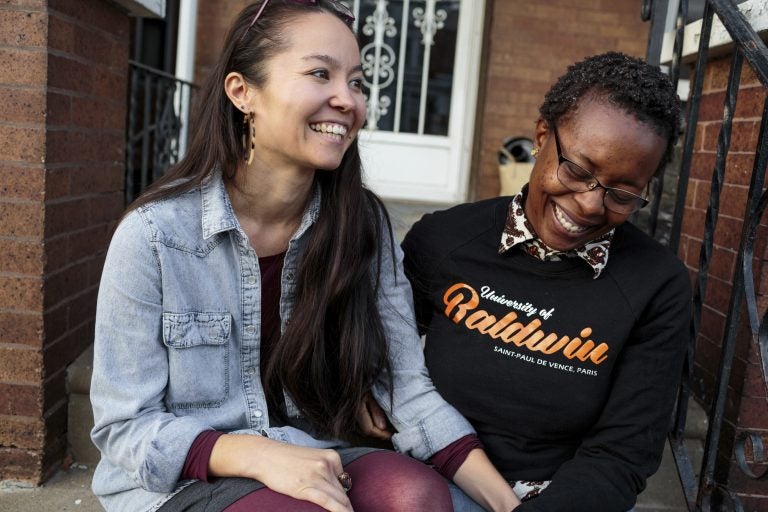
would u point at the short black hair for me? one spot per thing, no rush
(631, 84)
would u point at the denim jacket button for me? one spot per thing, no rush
(251, 280)
(289, 276)
(250, 329)
(250, 370)
(257, 413)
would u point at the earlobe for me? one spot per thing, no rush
(237, 90)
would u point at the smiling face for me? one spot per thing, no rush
(618, 149)
(312, 106)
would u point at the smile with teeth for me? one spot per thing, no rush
(331, 130)
(567, 223)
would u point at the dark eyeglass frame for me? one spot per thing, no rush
(590, 183)
(340, 9)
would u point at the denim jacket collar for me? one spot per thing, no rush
(218, 214)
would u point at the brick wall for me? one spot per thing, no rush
(529, 45)
(63, 78)
(212, 25)
(747, 407)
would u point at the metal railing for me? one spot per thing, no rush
(154, 125)
(708, 491)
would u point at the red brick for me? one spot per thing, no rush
(712, 324)
(60, 354)
(20, 400)
(744, 136)
(21, 432)
(21, 464)
(22, 67)
(57, 184)
(21, 219)
(94, 46)
(66, 216)
(20, 365)
(101, 15)
(739, 168)
(21, 293)
(83, 307)
(93, 113)
(755, 502)
(21, 328)
(741, 483)
(18, 28)
(56, 253)
(711, 107)
(87, 243)
(22, 144)
(61, 33)
(106, 207)
(22, 105)
(750, 103)
(722, 264)
(21, 257)
(754, 384)
(64, 283)
(69, 74)
(733, 198)
(98, 178)
(718, 295)
(22, 182)
(716, 74)
(693, 222)
(728, 233)
(59, 109)
(54, 389)
(703, 191)
(55, 320)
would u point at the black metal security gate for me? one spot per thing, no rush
(154, 126)
(708, 492)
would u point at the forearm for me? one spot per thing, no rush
(479, 479)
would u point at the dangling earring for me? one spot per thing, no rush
(534, 152)
(249, 137)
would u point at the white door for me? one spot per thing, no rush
(421, 60)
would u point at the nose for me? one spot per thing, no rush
(343, 98)
(591, 201)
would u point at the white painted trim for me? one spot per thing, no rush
(756, 12)
(185, 63)
(468, 59)
(441, 172)
(144, 8)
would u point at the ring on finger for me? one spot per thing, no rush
(345, 480)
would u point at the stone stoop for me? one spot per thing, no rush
(80, 413)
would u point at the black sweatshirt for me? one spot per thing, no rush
(565, 377)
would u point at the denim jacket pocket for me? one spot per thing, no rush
(198, 359)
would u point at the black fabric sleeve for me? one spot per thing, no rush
(624, 447)
(418, 269)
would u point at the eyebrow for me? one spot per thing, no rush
(331, 61)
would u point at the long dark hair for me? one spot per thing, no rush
(334, 347)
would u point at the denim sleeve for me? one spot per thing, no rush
(133, 430)
(425, 422)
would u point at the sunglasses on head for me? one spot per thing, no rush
(342, 10)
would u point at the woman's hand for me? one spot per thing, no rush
(372, 420)
(479, 479)
(307, 474)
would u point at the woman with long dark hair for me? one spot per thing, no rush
(254, 297)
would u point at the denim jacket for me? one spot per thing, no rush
(177, 347)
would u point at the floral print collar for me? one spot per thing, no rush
(518, 231)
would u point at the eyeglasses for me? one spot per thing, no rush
(577, 179)
(341, 9)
